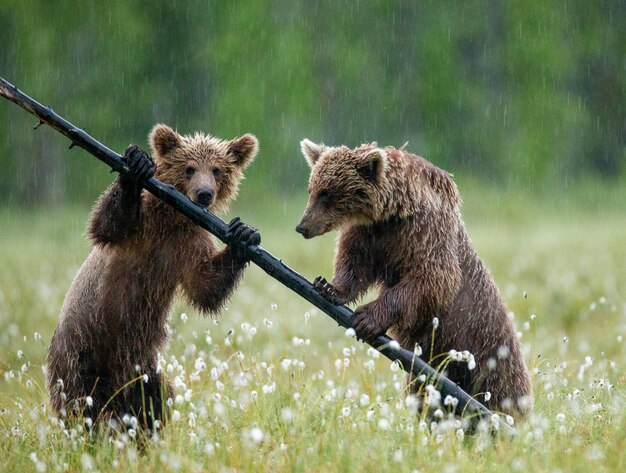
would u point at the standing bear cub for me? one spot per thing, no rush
(401, 229)
(102, 361)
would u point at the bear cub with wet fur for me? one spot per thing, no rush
(102, 360)
(400, 229)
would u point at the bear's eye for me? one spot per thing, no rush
(216, 172)
(190, 171)
(324, 197)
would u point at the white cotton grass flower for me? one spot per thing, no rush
(345, 412)
(383, 424)
(503, 352)
(350, 333)
(254, 436)
(269, 388)
(87, 462)
(435, 323)
(209, 449)
(412, 403)
(372, 352)
(433, 396)
(287, 414)
(450, 401)
(298, 342)
(200, 364)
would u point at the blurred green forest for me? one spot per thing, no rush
(529, 93)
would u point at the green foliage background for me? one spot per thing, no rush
(528, 93)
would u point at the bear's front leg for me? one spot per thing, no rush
(210, 283)
(117, 214)
(374, 319)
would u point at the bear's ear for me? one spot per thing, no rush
(372, 165)
(311, 151)
(163, 139)
(243, 149)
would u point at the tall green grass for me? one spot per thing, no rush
(275, 385)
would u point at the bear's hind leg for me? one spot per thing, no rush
(148, 400)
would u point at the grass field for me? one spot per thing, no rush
(275, 385)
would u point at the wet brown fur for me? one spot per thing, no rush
(114, 314)
(400, 229)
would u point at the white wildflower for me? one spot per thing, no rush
(286, 414)
(364, 400)
(256, 435)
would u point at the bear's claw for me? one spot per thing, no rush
(139, 164)
(326, 290)
(241, 236)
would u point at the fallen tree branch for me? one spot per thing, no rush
(411, 363)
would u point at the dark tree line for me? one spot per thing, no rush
(508, 91)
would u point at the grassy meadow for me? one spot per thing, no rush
(275, 385)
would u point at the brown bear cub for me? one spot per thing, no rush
(102, 361)
(401, 230)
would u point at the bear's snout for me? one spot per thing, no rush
(204, 196)
(304, 231)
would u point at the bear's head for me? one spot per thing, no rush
(345, 187)
(204, 168)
